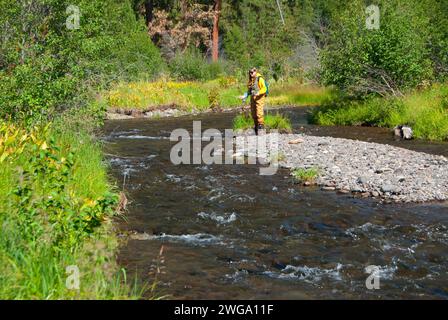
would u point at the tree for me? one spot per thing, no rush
(254, 35)
(381, 61)
(46, 66)
(176, 34)
(215, 44)
(149, 7)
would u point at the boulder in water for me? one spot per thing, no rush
(404, 132)
(407, 133)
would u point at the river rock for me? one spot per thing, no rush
(363, 180)
(407, 133)
(403, 132)
(117, 116)
(388, 188)
(296, 141)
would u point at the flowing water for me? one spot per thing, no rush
(229, 233)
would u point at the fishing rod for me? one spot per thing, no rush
(281, 12)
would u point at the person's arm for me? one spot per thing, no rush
(246, 95)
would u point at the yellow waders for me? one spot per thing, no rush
(256, 108)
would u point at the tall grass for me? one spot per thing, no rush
(296, 94)
(426, 111)
(56, 209)
(184, 95)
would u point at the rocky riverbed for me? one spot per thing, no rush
(161, 112)
(368, 169)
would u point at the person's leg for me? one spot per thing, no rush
(253, 109)
(259, 110)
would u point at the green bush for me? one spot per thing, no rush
(394, 57)
(254, 35)
(424, 110)
(55, 211)
(438, 43)
(45, 67)
(191, 65)
(138, 58)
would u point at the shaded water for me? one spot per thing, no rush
(230, 233)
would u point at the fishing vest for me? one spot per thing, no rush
(255, 87)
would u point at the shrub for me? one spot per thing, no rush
(55, 66)
(191, 65)
(55, 211)
(43, 190)
(138, 58)
(213, 98)
(383, 61)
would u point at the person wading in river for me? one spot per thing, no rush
(257, 91)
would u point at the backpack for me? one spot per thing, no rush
(266, 83)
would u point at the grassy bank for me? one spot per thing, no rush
(56, 206)
(294, 94)
(222, 92)
(426, 111)
(184, 95)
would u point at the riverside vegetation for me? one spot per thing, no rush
(57, 203)
(57, 209)
(425, 110)
(203, 95)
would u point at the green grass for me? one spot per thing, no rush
(191, 95)
(426, 111)
(32, 259)
(305, 175)
(184, 95)
(293, 93)
(272, 121)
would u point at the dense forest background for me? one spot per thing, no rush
(45, 66)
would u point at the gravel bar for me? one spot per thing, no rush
(369, 169)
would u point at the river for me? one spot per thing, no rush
(229, 233)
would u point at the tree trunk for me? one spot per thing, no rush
(149, 7)
(215, 37)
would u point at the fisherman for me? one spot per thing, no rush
(257, 90)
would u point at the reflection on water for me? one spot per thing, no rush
(230, 233)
